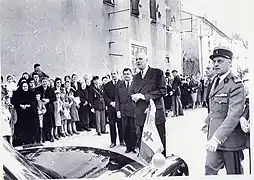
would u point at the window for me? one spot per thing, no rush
(135, 7)
(153, 10)
(109, 2)
(168, 19)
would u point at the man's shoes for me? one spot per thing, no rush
(87, 129)
(122, 144)
(99, 134)
(105, 132)
(134, 151)
(76, 132)
(127, 151)
(174, 115)
(180, 114)
(112, 145)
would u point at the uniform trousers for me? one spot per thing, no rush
(100, 121)
(231, 160)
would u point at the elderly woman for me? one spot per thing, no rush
(23, 100)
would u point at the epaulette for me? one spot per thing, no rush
(236, 79)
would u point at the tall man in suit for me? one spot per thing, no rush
(109, 96)
(226, 140)
(125, 110)
(148, 84)
(176, 96)
(210, 75)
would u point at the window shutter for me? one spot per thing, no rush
(135, 7)
(153, 10)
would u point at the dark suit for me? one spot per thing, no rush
(126, 106)
(109, 95)
(48, 117)
(226, 104)
(152, 86)
(176, 98)
(98, 103)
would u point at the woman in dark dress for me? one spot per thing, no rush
(84, 107)
(26, 126)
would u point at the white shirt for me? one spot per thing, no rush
(126, 83)
(222, 77)
(144, 72)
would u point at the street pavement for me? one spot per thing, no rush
(184, 139)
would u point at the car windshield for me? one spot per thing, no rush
(18, 165)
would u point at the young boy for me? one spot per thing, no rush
(41, 110)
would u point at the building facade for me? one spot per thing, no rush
(199, 37)
(88, 37)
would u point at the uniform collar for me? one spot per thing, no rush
(222, 77)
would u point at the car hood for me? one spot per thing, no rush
(81, 162)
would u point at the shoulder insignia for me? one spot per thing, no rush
(236, 79)
(226, 80)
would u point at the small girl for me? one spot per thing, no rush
(6, 115)
(41, 110)
(58, 106)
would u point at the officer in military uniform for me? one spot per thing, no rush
(226, 140)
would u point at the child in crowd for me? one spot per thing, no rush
(58, 106)
(41, 110)
(65, 116)
(10, 85)
(73, 112)
(6, 115)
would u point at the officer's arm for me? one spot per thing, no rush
(236, 105)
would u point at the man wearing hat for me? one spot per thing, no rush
(226, 140)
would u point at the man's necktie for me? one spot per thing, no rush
(128, 85)
(217, 82)
(142, 74)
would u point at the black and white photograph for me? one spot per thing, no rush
(125, 89)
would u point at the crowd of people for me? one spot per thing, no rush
(55, 108)
(37, 108)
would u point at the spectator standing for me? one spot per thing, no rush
(125, 110)
(176, 96)
(109, 95)
(48, 97)
(10, 85)
(84, 107)
(38, 70)
(23, 102)
(6, 120)
(98, 106)
(41, 110)
(58, 110)
(194, 90)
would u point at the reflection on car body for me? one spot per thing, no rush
(80, 162)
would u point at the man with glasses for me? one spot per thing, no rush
(226, 140)
(148, 84)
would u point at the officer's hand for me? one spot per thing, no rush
(212, 145)
(118, 114)
(92, 110)
(244, 125)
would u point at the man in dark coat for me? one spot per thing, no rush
(176, 96)
(210, 75)
(109, 96)
(48, 97)
(148, 84)
(125, 110)
(226, 140)
(38, 70)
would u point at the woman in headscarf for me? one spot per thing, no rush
(25, 76)
(25, 128)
